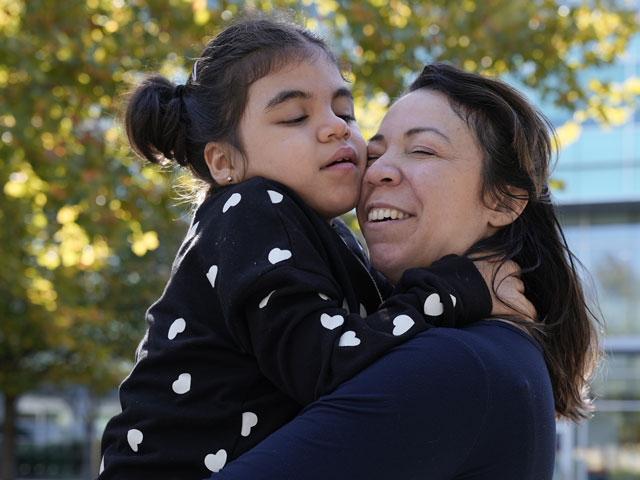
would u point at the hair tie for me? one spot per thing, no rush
(178, 91)
(545, 195)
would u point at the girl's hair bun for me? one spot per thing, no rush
(155, 120)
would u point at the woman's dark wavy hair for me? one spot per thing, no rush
(516, 141)
(165, 121)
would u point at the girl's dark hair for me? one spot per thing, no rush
(165, 121)
(516, 142)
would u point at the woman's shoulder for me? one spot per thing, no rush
(478, 355)
(494, 343)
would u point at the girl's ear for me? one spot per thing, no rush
(508, 208)
(219, 159)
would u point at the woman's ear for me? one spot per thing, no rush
(508, 208)
(219, 158)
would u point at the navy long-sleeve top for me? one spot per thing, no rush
(267, 308)
(448, 404)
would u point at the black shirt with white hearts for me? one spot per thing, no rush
(267, 308)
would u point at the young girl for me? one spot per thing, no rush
(267, 307)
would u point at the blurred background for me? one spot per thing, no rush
(89, 232)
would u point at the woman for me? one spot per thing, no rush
(460, 164)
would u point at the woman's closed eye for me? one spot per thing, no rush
(422, 151)
(372, 158)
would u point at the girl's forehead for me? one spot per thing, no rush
(307, 77)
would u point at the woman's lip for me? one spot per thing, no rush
(382, 213)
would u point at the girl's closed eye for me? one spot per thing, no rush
(347, 117)
(295, 121)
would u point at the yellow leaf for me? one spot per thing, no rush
(616, 115)
(201, 17)
(40, 220)
(632, 85)
(325, 7)
(151, 240)
(568, 133)
(67, 214)
(49, 258)
(15, 189)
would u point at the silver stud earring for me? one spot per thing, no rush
(229, 179)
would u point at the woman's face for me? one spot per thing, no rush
(421, 192)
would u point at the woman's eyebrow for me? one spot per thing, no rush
(414, 131)
(284, 96)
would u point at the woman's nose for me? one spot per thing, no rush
(383, 171)
(334, 127)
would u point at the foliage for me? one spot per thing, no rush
(89, 232)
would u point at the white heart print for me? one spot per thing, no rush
(345, 305)
(265, 300)
(182, 384)
(249, 420)
(323, 296)
(433, 306)
(178, 326)
(363, 311)
(331, 322)
(134, 437)
(212, 274)
(349, 339)
(276, 197)
(276, 255)
(232, 202)
(192, 230)
(401, 324)
(101, 465)
(453, 299)
(215, 462)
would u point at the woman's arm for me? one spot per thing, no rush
(414, 414)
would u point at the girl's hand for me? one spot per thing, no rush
(507, 290)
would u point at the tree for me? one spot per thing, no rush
(89, 232)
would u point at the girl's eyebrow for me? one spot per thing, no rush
(343, 92)
(286, 95)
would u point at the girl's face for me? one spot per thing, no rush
(421, 193)
(298, 128)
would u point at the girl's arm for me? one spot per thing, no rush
(295, 300)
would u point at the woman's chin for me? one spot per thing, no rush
(390, 267)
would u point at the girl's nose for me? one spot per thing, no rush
(334, 127)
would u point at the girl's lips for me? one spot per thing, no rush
(346, 156)
(340, 166)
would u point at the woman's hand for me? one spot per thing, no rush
(507, 289)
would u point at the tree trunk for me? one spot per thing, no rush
(9, 438)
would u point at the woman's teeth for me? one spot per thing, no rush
(378, 214)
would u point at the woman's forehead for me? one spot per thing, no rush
(422, 110)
